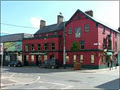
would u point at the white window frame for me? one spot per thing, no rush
(32, 58)
(92, 59)
(81, 58)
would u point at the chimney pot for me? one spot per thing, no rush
(42, 24)
(89, 12)
(59, 19)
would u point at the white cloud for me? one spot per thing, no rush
(109, 14)
(35, 22)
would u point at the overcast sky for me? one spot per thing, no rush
(29, 13)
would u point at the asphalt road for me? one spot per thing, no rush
(39, 78)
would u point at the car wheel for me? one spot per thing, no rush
(53, 67)
(14, 65)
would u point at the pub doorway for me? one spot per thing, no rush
(26, 60)
(52, 56)
(38, 60)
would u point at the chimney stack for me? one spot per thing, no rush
(89, 12)
(59, 19)
(42, 24)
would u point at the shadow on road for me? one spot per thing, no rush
(35, 70)
(113, 85)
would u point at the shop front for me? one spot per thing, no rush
(12, 52)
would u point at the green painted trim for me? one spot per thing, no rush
(94, 66)
(41, 51)
(32, 64)
(52, 36)
(102, 66)
(84, 50)
(90, 66)
(12, 51)
(69, 65)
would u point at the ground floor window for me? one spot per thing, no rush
(81, 58)
(27, 57)
(67, 58)
(92, 58)
(74, 58)
(45, 57)
(32, 58)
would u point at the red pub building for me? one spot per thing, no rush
(96, 42)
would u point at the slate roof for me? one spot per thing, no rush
(55, 27)
(13, 37)
(51, 28)
(103, 23)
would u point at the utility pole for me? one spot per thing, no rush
(64, 43)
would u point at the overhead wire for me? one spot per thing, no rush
(18, 26)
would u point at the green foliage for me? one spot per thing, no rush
(75, 46)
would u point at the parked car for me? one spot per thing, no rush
(50, 63)
(15, 64)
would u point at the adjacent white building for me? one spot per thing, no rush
(1, 53)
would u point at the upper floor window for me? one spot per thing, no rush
(103, 30)
(70, 30)
(26, 47)
(109, 44)
(104, 43)
(87, 28)
(82, 44)
(32, 47)
(52, 46)
(77, 32)
(45, 46)
(39, 46)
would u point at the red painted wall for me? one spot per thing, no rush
(89, 37)
(101, 36)
(42, 41)
(95, 35)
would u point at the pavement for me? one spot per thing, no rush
(39, 78)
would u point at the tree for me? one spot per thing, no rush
(75, 46)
